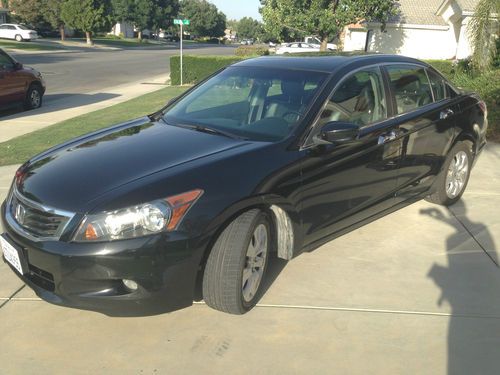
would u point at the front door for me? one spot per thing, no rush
(11, 84)
(343, 184)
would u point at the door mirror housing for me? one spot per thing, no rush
(18, 66)
(336, 132)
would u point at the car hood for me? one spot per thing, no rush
(69, 176)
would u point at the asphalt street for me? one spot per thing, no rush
(80, 72)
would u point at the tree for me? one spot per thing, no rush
(146, 14)
(88, 16)
(323, 18)
(483, 31)
(29, 11)
(248, 28)
(122, 10)
(52, 13)
(206, 20)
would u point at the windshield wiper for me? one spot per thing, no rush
(205, 129)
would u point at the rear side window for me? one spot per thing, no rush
(438, 86)
(410, 87)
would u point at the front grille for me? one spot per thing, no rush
(37, 220)
(41, 278)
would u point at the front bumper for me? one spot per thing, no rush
(89, 275)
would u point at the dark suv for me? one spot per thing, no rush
(19, 84)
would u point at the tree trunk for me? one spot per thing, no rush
(88, 34)
(62, 32)
(324, 44)
(139, 35)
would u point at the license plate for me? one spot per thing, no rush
(11, 255)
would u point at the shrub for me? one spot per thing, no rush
(252, 51)
(196, 68)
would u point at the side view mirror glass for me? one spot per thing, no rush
(18, 66)
(336, 132)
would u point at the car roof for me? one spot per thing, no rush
(326, 64)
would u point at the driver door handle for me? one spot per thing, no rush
(445, 114)
(387, 137)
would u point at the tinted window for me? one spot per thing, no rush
(438, 86)
(410, 87)
(3, 27)
(360, 99)
(255, 103)
(5, 62)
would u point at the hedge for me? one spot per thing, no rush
(252, 51)
(197, 68)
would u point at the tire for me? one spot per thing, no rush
(227, 286)
(19, 38)
(448, 190)
(34, 97)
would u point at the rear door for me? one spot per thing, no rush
(427, 120)
(4, 33)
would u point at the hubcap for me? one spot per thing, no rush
(35, 99)
(255, 262)
(457, 174)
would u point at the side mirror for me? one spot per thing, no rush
(18, 66)
(338, 132)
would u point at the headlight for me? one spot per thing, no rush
(137, 221)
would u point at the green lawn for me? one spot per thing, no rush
(20, 149)
(29, 46)
(118, 42)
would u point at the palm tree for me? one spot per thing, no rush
(484, 31)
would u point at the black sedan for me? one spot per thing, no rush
(274, 155)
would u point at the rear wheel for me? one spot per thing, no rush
(33, 97)
(453, 179)
(19, 38)
(236, 266)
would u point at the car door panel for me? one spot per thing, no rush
(344, 183)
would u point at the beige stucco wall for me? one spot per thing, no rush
(413, 41)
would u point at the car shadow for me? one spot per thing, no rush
(470, 285)
(56, 102)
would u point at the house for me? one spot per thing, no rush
(425, 29)
(3, 15)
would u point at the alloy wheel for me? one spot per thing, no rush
(255, 262)
(456, 176)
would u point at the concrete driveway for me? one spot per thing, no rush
(417, 292)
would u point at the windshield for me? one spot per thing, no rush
(254, 103)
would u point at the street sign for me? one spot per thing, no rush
(180, 22)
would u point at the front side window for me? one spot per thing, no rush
(6, 62)
(410, 87)
(253, 103)
(360, 99)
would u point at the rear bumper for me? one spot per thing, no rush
(89, 276)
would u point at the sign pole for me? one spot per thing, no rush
(182, 37)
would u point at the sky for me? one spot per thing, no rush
(237, 9)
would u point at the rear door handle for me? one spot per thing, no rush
(387, 137)
(445, 114)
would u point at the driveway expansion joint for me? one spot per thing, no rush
(12, 296)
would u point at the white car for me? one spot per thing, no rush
(17, 32)
(316, 42)
(297, 48)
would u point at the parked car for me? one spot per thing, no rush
(17, 32)
(317, 42)
(270, 155)
(19, 84)
(247, 42)
(296, 47)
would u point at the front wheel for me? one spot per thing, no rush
(453, 179)
(33, 97)
(19, 38)
(236, 266)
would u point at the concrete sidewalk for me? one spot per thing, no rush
(75, 105)
(416, 292)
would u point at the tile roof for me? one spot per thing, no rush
(423, 12)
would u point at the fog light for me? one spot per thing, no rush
(130, 284)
